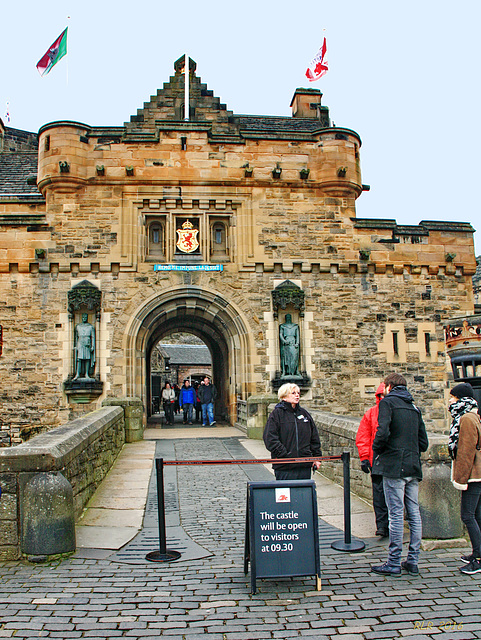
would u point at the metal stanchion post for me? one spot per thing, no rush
(164, 554)
(347, 544)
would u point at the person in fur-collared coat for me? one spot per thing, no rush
(465, 450)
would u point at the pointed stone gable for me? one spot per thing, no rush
(167, 106)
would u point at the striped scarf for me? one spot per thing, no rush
(458, 409)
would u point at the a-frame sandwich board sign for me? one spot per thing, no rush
(282, 532)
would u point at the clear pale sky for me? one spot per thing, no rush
(405, 76)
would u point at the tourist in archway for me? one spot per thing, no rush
(176, 403)
(207, 395)
(291, 432)
(187, 399)
(198, 405)
(168, 401)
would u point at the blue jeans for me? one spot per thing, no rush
(207, 413)
(400, 494)
(187, 409)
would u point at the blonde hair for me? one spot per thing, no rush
(286, 389)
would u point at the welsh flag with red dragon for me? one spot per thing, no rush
(55, 52)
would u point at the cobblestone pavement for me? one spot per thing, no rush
(93, 597)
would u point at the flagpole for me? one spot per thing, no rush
(68, 23)
(186, 78)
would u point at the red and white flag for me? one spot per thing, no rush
(318, 66)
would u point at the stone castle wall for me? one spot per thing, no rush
(283, 192)
(352, 310)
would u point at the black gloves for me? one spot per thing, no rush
(366, 466)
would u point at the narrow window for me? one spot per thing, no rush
(427, 343)
(395, 344)
(47, 143)
(219, 240)
(156, 240)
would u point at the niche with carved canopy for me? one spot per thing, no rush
(289, 298)
(83, 383)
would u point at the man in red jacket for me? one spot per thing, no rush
(364, 439)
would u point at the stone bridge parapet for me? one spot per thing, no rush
(37, 513)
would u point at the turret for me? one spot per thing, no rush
(62, 156)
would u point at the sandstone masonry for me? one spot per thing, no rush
(270, 199)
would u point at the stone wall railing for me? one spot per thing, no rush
(47, 481)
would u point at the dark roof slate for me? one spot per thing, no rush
(280, 123)
(190, 354)
(15, 168)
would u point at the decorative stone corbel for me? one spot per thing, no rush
(247, 170)
(288, 293)
(276, 172)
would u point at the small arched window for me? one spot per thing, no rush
(219, 235)
(219, 240)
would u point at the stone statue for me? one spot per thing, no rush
(84, 349)
(289, 347)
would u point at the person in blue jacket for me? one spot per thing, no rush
(187, 398)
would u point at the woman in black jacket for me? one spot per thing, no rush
(290, 432)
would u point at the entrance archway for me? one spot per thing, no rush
(217, 322)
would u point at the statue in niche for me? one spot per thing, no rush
(289, 348)
(84, 350)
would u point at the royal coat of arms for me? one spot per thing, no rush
(187, 238)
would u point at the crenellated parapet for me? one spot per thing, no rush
(431, 247)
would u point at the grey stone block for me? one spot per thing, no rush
(47, 519)
(439, 503)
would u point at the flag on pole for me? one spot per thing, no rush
(55, 52)
(7, 113)
(318, 66)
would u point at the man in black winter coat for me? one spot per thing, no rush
(397, 447)
(290, 432)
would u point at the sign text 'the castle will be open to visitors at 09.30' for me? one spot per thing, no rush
(282, 532)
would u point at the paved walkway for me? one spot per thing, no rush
(93, 595)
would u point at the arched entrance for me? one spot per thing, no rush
(219, 324)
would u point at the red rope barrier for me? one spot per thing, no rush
(253, 461)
